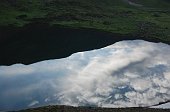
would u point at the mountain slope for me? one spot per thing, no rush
(110, 15)
(91, 109)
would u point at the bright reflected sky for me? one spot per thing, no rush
(125, 74)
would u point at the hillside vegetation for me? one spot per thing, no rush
(91, 109)
(151, 20)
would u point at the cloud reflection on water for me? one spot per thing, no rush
(125, 74)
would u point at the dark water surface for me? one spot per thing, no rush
(37, 42)
(124, 74)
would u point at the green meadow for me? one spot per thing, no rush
(150, 20)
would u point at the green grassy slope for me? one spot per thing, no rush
(117, 16)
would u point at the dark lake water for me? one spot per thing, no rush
(126, 74)
(37, 42)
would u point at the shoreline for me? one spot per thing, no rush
(39, 41)
(63, 108)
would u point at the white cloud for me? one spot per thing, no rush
(33, 103)
(16, 70)
(167, 76)
(140, 84)
(131, 64)
(125, 74)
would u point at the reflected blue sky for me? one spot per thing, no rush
(125, 74)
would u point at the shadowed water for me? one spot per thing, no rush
(125, 74)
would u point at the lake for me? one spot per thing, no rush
(131, 73)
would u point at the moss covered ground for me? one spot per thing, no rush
(151, 20)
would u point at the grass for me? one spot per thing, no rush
(112, 15)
